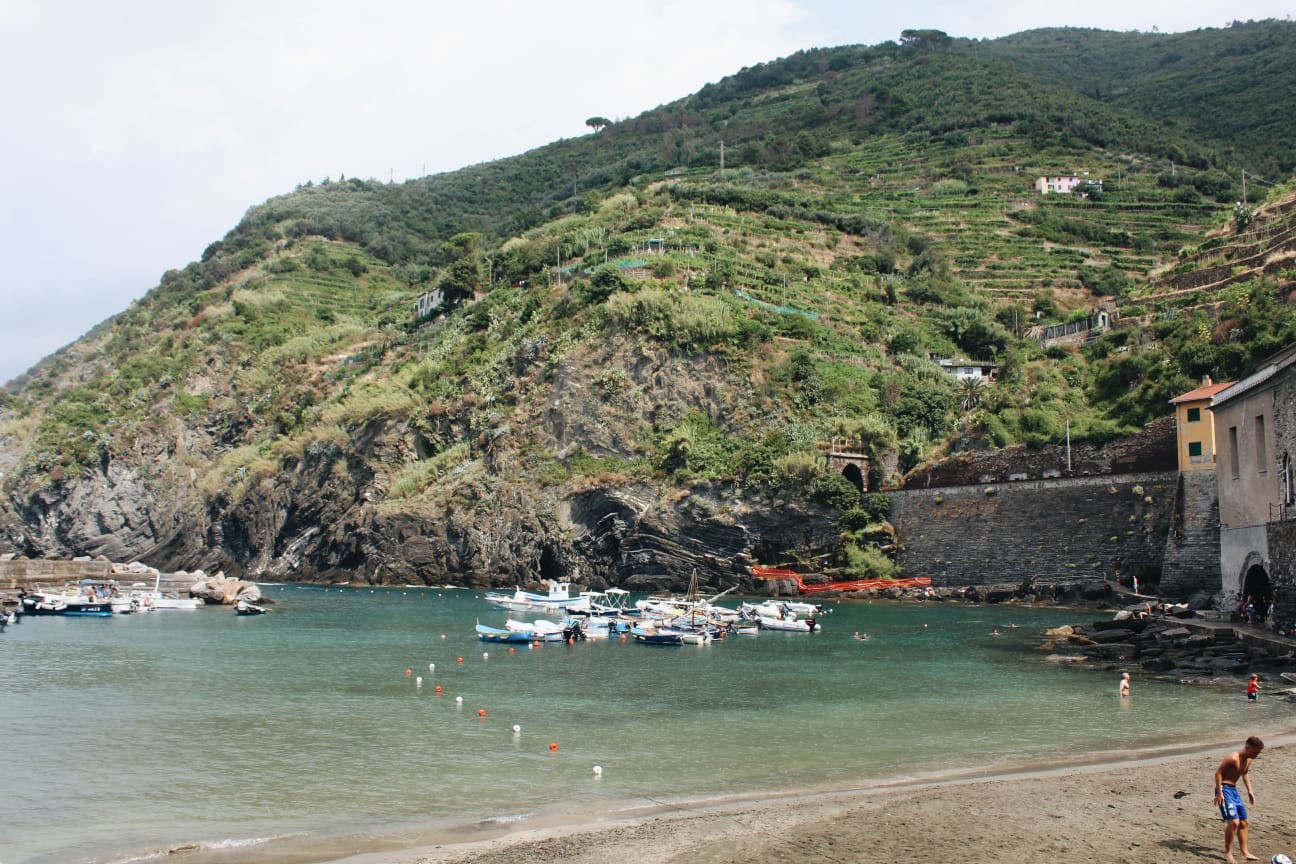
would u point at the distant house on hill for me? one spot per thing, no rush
(428, 303)
(1065, 184)
(962, 368)
(1073, 332)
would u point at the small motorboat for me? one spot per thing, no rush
(657, 636)
(247, 607)
(497, 634)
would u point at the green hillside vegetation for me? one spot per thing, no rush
(875, 211)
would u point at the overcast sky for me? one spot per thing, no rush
(138, 131)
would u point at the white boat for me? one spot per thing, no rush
(790, 623)
(779, 609)
(559, 599)
(539, 630)
(144, 600)
(247, 607)
(612, 603)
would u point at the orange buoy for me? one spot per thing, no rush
(553, 746)
(458, 659)
(438, 689)
(409, 672)
(511, 649)
(481, 712)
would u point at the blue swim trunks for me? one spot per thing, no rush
(1232, 807)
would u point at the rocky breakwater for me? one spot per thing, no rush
(1187, 649)
(217, 590)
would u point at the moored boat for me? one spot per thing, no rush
(247, 607)
(143, 599)
(789, 623)
(656, 636)
(558, 599)
(72, 604)
(496, 634)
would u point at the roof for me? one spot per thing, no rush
(1204, 392)
(963, 361)
(1267, 370)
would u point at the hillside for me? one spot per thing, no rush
(640, 357)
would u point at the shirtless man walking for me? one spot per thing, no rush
(1234, 767)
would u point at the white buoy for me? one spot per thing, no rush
(458, 700)
(443, 636)
(418, 682)
(516, 728)
(598, 770)
(431, 666)
(485, 654)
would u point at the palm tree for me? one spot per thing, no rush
(969, 391)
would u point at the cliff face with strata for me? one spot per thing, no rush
(327, 513)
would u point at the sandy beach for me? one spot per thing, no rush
(1149, 807)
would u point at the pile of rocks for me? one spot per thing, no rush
(1168, 647)
(218, 590)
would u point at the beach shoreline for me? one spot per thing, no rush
(1105, 808)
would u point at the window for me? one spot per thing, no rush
(1289, 487)
(1194, 415)
(1262, 451)
(1233, 453)
(1194, 449)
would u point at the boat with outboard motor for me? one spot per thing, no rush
(143, 599)
(72, 603)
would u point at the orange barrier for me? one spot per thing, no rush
(853, 585)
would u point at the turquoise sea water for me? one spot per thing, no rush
(298, 736)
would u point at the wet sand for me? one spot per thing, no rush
(1148, 807)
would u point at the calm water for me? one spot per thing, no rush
(298, 735)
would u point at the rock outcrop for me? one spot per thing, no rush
(223, 590)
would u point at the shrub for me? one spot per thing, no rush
(868, 562)
(413, 479)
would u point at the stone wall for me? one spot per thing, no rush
(27, 569)
(1077, 527)
(1192, 553)
(1282, 575)
(1153, 450)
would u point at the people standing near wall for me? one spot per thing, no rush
(1124, 685)
(1253, 688)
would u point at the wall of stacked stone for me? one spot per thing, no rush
(24, 569)
(1152, 450)
(1192, 556)
(1077, 527)
(1282, 575)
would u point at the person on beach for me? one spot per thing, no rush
(1253, 688)
(1124, 685)
(1236, 766)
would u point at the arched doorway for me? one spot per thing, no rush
(853, 473)
(1257, 589)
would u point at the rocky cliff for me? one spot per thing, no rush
(326, 513)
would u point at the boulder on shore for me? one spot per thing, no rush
(222, 590)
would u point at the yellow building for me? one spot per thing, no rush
(1195, 426)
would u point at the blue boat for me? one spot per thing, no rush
(69, 605)
(654, 636)
(495, 634)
